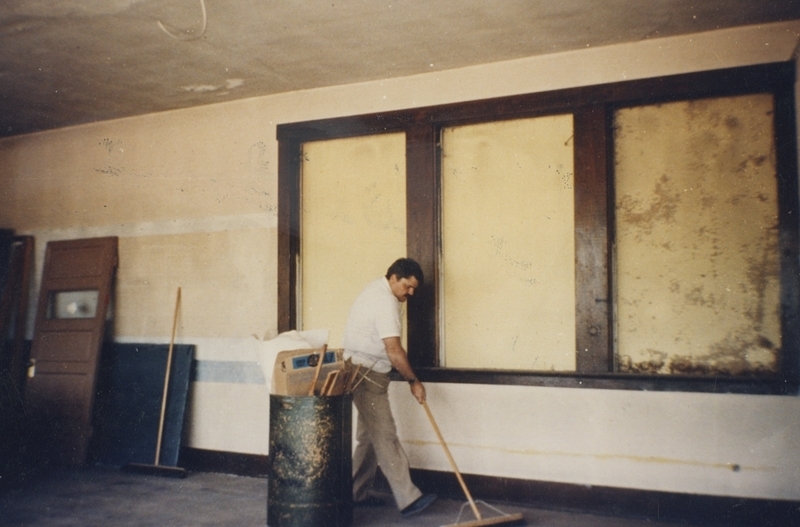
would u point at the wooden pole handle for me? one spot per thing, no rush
(452, 461)
(316, 372)
(166, 378)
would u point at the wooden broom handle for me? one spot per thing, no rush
(316, 372)
(452, 462)
(166, 378)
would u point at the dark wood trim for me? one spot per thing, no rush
(200, 460)
(288, 232)
(731, 81)
(789, 230)
(675, 507)
(592, 294)
(592, 107)
(352, 126)
(713, 83)
(422, 222)
(612, 381)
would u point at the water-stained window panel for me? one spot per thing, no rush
(696, 247)
(508, 245)
(353, 223)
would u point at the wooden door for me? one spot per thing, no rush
(72, 313)
(16, 262)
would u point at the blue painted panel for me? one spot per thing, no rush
(128, 404)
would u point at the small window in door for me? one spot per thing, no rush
(72, 304)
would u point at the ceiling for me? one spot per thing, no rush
(68, 62)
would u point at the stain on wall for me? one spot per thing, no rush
(696, 254)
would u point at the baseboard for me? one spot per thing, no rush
(199, 460)
(611, 501)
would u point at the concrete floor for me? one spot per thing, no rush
(106, 497)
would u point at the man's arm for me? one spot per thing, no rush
(399, 359)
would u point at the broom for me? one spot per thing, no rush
(503, 519)
(155, 469)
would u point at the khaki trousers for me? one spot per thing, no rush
(377, 443)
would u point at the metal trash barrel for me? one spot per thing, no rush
(310, 480)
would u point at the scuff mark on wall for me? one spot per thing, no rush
(109, 171)
(661, 460)
(111, 145)
(259, 158)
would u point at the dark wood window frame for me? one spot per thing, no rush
(593, 108)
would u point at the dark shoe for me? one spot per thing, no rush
(370, 501)
(419, 505)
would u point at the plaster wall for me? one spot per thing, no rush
(192, 194)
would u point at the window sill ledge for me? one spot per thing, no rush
(614, 381)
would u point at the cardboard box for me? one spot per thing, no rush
(294, 370)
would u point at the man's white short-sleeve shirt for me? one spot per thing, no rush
(374, 316)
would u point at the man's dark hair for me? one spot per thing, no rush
(405, 268)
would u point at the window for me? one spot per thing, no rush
(353, 223)
(508, 250)
(72, 304)
(696, 245)
(655, 220)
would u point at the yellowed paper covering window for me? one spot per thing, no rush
(353, 217)
(508, 245)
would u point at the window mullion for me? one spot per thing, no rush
(288, 232)
(422, 241)
(593, 300)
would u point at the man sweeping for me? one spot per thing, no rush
(372, 339)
